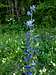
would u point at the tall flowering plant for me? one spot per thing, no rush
(28, 52)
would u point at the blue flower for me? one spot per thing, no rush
(30, 56)
(29, 24)
(26, 52)
(29, 73)
(27, 67)
(26, 59)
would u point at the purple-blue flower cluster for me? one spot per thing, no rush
(27, 52)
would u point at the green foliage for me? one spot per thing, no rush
(45, 14)
(11, 51)
(2, 5)
(12, 46)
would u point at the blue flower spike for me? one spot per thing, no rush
(29, 55)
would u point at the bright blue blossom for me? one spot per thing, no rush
(28, 67)
(29, 73)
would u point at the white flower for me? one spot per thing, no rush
(37, 44)
(29, 13)
(33, 20)
(53, 63)
(11, 19)
(8, 20)
(14, 20)
(32, 7)
(44, 69)
(14, 74)
(3, 60)
(40, 72)
(30, 23)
